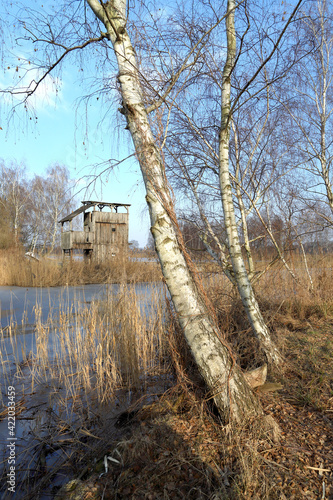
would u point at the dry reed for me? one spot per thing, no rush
(18, 270)
(83, 360)
(113, 343)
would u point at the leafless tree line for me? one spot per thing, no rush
(30, 208)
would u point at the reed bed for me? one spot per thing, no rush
(86, 359)
(18, 270)
(113, 343)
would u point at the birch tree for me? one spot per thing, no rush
(14, 196)
(204, 162)
(213, 358)
(50, 199)
(143, 94)
(241, 277)
(35, 226)
(58, 201)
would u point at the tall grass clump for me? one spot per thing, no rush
(91, 357)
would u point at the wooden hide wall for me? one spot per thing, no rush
(111, 234)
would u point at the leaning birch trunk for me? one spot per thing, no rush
(224, 379)
(240, 274)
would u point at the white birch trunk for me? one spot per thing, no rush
(242, 210)
(323, 157)
(323, 112)
(225, 380)
(240, 274)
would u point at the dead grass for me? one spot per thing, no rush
(176, 448)
(114, 343)
(18, 270)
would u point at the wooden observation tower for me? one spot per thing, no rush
(104, 235)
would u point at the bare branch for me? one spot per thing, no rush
(67, 51)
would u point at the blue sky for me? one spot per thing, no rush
(74, 136)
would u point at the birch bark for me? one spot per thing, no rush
(224, 379)
(240, 274)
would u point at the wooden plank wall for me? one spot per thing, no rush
(111, 234)
(105, 234)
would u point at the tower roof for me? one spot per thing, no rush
(88, 204)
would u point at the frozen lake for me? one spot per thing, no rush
(48, 400)
(21, 308)
(18, 304)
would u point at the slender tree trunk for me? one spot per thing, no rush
(242, 210)
(324, 114)
(54, 232)
(224, 379)
(323, 156)
(241, 277)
